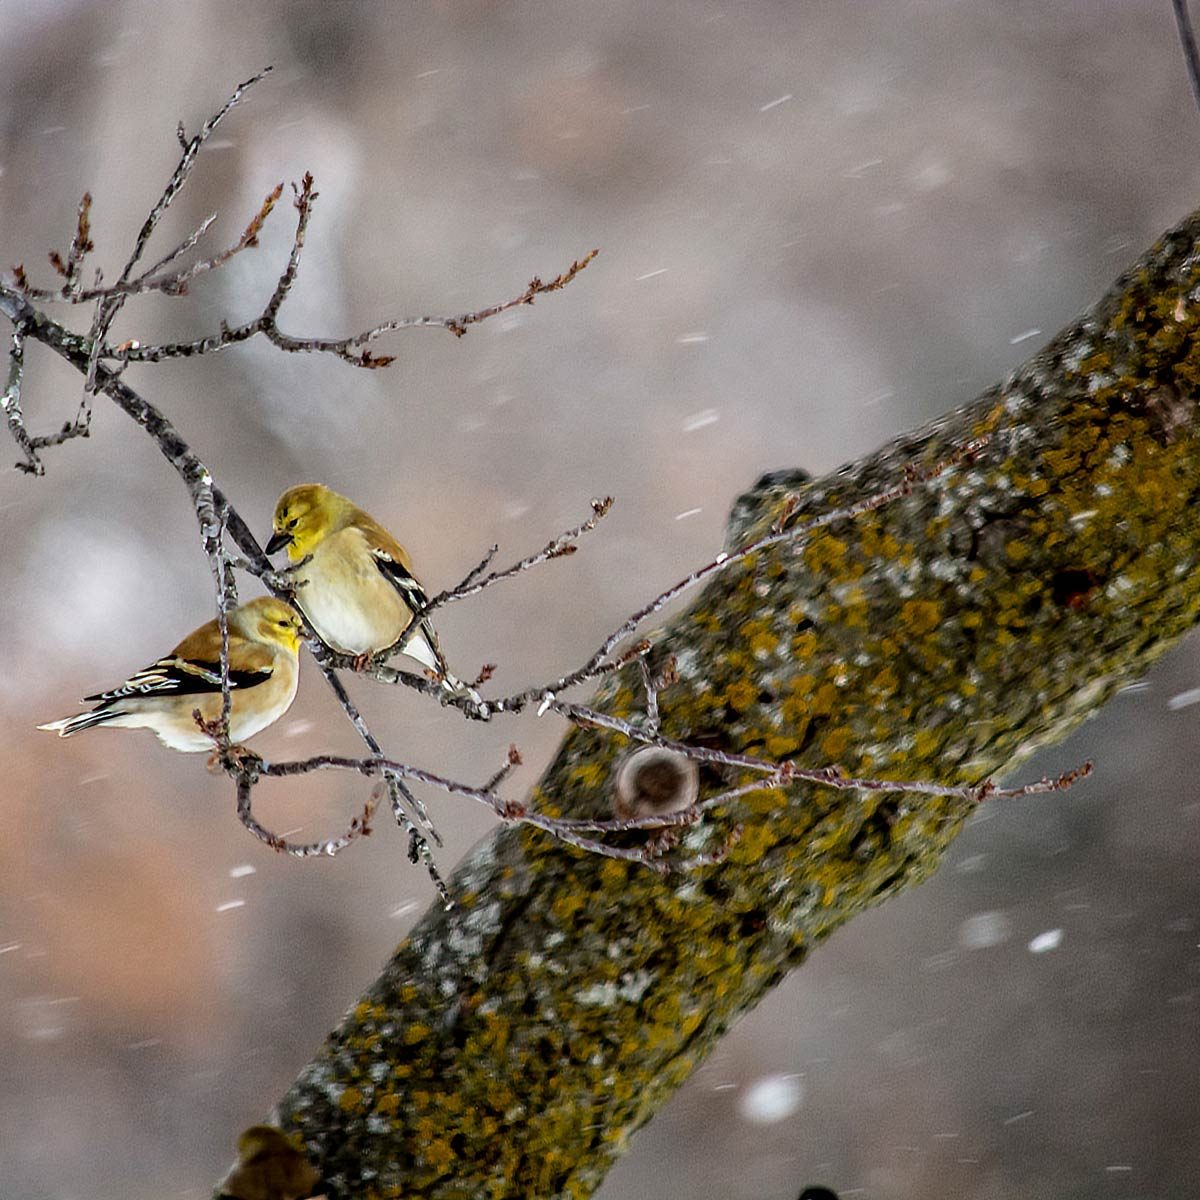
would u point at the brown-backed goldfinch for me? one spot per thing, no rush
(264, 641)
(358, 589)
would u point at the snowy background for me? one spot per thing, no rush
(821, 223)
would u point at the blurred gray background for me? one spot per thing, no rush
(821, 224)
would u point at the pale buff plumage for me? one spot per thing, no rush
(358, 589)
(264, 641)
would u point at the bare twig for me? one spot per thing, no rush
(418, 844)
(572, 833)
(650, 684)
(399, 793)
(784, 530)
(227, 598)
(101, 319)
(1187, 39)
(10, 401)
(360, 826)
(81, 245)
(512, 760)
(458, 325)
(558, 547)
(353, 349)
(829, 776)
(471, 585)
(155, 278)
(110, 300)
(69, 431)
(595, 665)
(188, 243)
(191, 149)
(587, 833)
(479, 568)
(111, 305)
(176, 283)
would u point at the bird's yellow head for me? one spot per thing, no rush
(271, 621)
(304, 515)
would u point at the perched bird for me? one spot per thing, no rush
(269, 1167)
(264, 641)
(358, 590)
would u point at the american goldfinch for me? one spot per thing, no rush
(269, 1167)
(264, 642)
(358, 590)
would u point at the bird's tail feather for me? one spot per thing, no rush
(81, 721)
(422, 644)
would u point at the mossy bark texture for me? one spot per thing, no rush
(513, 1045)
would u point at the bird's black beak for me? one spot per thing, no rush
(278, 541)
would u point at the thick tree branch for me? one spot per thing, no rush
(513, 1044)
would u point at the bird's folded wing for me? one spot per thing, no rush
(401, 578)
(177, 675)
(394, 565)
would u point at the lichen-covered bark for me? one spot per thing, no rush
(513, 1045)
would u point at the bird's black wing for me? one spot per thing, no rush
(182, 677)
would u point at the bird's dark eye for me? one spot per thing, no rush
(293, 523)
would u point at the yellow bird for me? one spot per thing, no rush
(358, 590)
(264, 642)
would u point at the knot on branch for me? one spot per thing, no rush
(768, 493)
(270, 1165)
(653, 782)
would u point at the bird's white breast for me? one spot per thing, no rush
(347, 599)
(285, 676)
